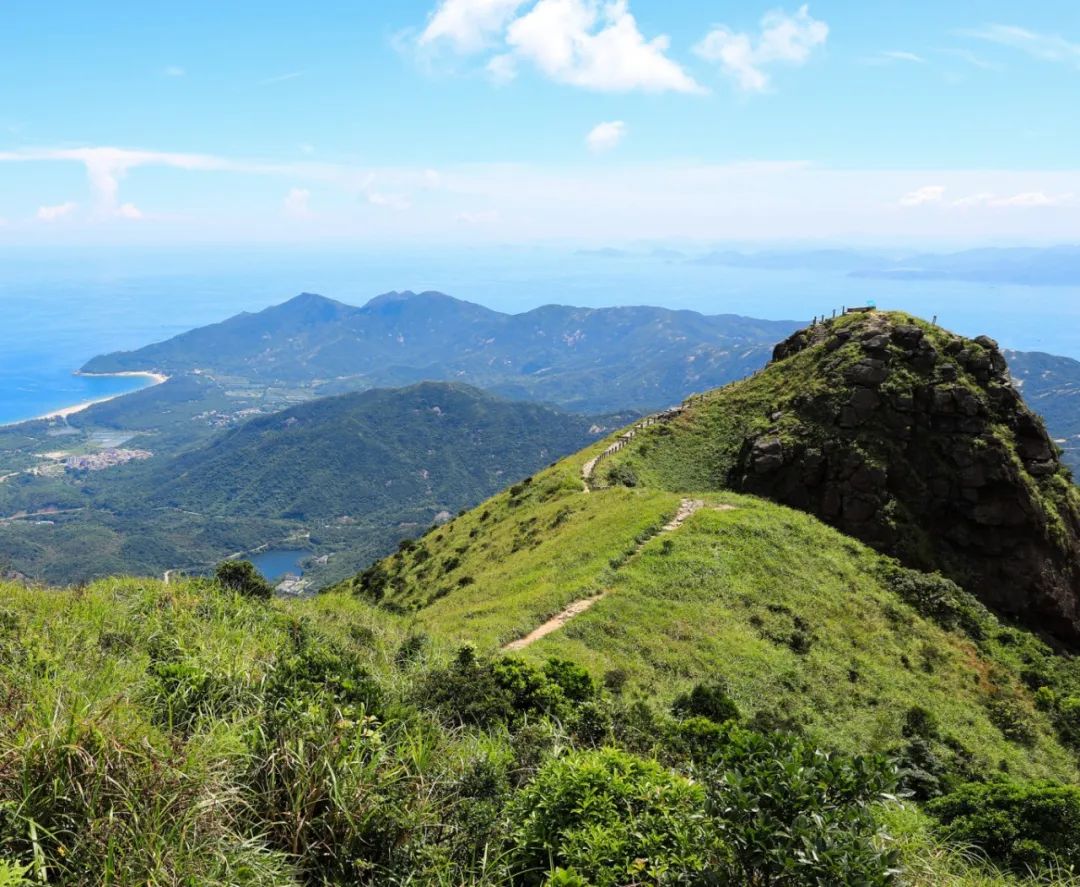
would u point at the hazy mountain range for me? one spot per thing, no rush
(588, 359)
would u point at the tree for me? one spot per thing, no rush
(243, 578)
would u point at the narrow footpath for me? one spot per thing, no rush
(686, 508)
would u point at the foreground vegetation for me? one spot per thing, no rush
(192, 734)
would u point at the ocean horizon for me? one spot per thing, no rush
(57, 321)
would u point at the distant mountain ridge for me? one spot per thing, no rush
(587, 359)
(1051, 386)
(345, 476)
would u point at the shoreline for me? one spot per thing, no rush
(64, 412)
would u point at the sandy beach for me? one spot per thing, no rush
(64, 412)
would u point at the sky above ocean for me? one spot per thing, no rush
(483, 121)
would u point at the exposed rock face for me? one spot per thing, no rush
(916, 442)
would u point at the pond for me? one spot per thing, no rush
(274, 564)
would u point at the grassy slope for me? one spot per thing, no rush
(721, 597)
(81, 710)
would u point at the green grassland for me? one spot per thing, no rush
(797, 619)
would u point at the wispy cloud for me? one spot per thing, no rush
(894, 56)
(923, 195)
(969, 57)
(390, 201)
(57, 212)
(106, 167)
(281, 78)
(582, 43)
(935, 195)
(783, 39)
(174, 71)
(1023, 200)
(1047, 47)
(605, 136)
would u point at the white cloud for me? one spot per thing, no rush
(469, 25)
(594, 44)
(56, 213)
(923, 195)
(1023, 199)
(297, 203)
(605, 136)
(1048, 47)
(523, 203)
(891, 56)
(584, 43)
(784, 39)
(174, 71)
(106, 167)
(307, 148)
(129, 211)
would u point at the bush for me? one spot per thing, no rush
(708, 700)
(610, 819)
(793, 814)
(622, 475)
(243, 578)
(312, 667)
(938, 598)
(575, 682)
(1019, 825)
(501, 690)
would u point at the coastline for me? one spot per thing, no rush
(64, 412)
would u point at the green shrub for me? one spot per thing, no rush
(792, 814)
(937, 598)
(575, 682)
(694, 738)
(312, 667)
(622, 475)
(243, 578)
(611, 819)
(1019, 825)
(706, 700)
(493, 691)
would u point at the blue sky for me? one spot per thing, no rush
(539, 120)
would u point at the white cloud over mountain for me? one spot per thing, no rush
(783, 39)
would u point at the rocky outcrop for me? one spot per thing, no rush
(915, 441)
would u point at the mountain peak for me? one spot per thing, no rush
(312, 306)
(909, 438)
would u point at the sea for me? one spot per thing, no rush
(59, 309)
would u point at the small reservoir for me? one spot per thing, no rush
(274, 564)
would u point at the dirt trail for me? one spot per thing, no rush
(623, 439)
(686, 508)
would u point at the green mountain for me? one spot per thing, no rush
(639, 556)
(344, 476)
(590, 360)
(1051, 386)
(618, 670)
